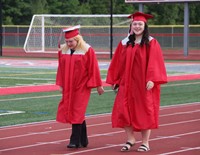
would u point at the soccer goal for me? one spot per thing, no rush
(46, 30)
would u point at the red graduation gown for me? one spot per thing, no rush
(131, 68)
(77, 74)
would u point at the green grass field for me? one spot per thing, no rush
(43, 106)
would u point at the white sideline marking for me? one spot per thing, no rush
(47, 122)
(11, 112)
(180, 113)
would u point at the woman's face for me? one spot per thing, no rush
(137, 27)
(71, 43)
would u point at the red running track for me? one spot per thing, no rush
(179, 133)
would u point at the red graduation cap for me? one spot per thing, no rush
(71, 32)
(139, 16)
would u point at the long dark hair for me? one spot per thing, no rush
(145, 37)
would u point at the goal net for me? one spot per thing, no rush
(46, 30)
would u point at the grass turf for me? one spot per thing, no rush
(43, 106)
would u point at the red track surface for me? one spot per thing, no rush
(179, 133)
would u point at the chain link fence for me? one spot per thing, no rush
(169, 36)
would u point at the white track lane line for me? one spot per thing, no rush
(181, 151)
(51, 122)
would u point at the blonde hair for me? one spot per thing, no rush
(81, 44)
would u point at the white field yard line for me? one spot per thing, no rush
(11, 112)
(38, 97)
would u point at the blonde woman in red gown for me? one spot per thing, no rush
(77, 74)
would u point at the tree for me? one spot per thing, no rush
(165, 14)
(20, 12)
(39, 6)
(194, 13)
(99, 7)
(123, 8)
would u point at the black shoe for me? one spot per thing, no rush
(85, 145)
(73, 146)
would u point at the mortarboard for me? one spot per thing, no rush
(71, 32)
(139, 16)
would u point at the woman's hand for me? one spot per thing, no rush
(115, 86)
(149, 85)
(100, 90)
(61, 89)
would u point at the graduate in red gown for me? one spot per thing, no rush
(77, 74)
(137, 70)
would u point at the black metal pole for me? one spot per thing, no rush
(141, 7)
(186, 29)
(1, 40)
(111, 28)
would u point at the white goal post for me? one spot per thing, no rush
(46, 29)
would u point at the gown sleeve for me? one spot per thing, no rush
(59, 80)
(94, 77)
(114, 71)
(156, 70)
